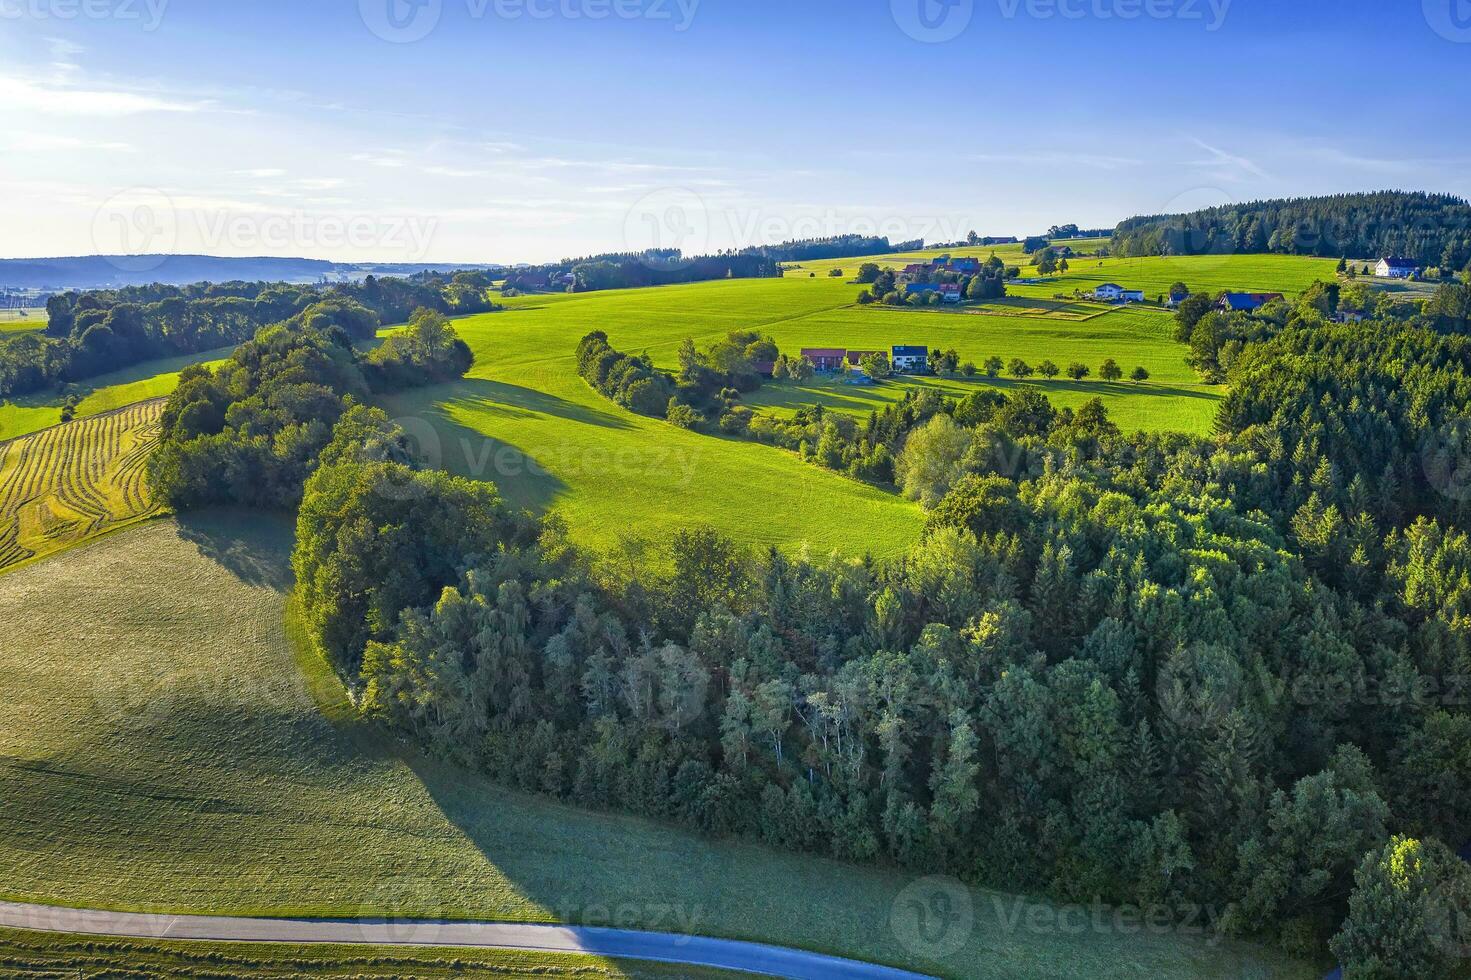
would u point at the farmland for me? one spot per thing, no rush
(104, 393)
(36, 954)
(75, 481)
(158, 708)
(22, 321)
(524, 419)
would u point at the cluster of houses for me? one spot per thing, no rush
(904, 359)
(919, 277)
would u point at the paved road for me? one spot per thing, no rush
(620, 943)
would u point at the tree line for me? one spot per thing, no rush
(95, 332)
(250, 431)
(1432, 229)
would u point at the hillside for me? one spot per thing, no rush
(1433, 229)
(158, 711)
(104, 271)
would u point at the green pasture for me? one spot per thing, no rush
(22, 321)
(166, 747)
(104, 393)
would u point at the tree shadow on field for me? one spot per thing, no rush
(254, 547)
(497, 399)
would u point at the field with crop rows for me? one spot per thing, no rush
(75, 481)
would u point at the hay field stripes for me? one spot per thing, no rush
(74, 481)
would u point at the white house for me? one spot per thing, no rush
(1108, 291)
(1393, 268)
(1133, 296)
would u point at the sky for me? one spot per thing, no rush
(531, 130)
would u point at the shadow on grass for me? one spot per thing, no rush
(877, 397)
(517, 471)
(253, 547)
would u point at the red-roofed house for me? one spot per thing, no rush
(826, 358)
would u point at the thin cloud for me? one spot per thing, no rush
(57, 100)
(1224, 163)
(44, 142)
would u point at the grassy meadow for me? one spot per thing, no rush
(23, 321)
(104, 393)
(166, 747)
(75, 481)
(40, 954)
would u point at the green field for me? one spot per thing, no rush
(22, 321)
(613, 473)
(39, 954)
(76, 481)
(163, 750)
(104, 393)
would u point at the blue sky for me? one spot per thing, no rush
(522, 130)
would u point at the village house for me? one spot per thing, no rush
(1396, 268)
(1247, 302)
(826, 359)
(855, 357)
(910, 359)
(1111, 292)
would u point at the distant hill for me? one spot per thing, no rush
(102, 271)
(1433, 229)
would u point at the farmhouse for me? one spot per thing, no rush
(855, 357)
(949, 291)
(825, 358)
(1112, 293)
(1247, 302)
(910, 359)
(1396, 268)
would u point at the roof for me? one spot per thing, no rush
(1398, 263)
(1249, 301)
(920, 287)
(901, 351)
(824, 352)
(914, 268)
(855, 356)
(1110, 285)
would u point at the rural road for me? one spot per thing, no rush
(618, 943)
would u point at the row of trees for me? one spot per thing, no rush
(91, 333)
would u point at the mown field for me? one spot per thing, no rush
(104, 393)
(40, 955)
(75, 481)
(22, 321)
(166, 748)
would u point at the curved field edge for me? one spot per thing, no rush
(44, 953)
(164, 753)
(74, 482)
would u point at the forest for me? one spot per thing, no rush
(1179, 673)
(1432, 229)
(94, 332)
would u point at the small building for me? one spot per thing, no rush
(950, 292)
(910, 359)
(917, 269)
(1397, 268)
(1247, 302)
(966, 267)
(826, 359)
(855, 357)
(1109, 292)
(764, 368)
(1132, 296)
